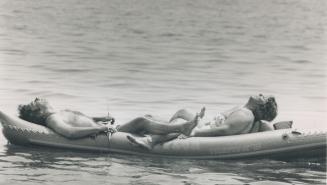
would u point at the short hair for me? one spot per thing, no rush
(30, 114)
(269, 110)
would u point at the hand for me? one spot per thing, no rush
(110, 119)
(112, 129)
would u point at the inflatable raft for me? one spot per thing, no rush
(286, 143)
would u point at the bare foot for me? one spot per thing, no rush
(188, 126)
(144, 142)
(202, 112)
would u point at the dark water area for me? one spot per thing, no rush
(136, 57)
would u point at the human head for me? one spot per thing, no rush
(263, 107)
(36, 112)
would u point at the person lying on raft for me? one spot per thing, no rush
(74, 124)
(239, 120)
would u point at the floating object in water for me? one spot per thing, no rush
(285, 143)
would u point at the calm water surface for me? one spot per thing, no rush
(133, 57)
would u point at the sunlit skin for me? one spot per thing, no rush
(73, 124)
(238, 120)
(69, 123)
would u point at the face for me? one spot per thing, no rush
(41, 104)
(259, 99)
(264, 107)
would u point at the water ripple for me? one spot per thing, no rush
(156, 57)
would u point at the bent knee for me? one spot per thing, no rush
(184, 111)
(141, 119)
(148, 116)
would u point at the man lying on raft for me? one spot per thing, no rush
(73, 124)
(239, 120)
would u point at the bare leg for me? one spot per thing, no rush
(146, 125)
(186, 115)
(149, 141)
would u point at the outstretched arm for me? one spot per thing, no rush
(104, 119)
(59, 126)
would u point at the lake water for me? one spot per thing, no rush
(136, 57)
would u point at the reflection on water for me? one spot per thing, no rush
(136, 57)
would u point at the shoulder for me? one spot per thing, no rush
(239, 121)
(73, 112)
(53, 118)
(241, 116)
(243, 113)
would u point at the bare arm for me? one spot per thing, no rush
(236, 123)
(104, 119)
(59, 126)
